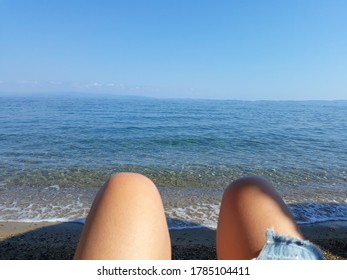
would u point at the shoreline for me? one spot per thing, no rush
(47, 240)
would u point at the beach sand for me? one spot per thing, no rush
(57, 241)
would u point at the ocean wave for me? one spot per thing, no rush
(185, 207)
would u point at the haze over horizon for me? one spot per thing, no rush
(244, 50)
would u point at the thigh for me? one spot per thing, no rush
(126, 221)
(249, 207)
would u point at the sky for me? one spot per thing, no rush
(232, 49)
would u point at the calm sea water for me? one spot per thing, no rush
(55, 152)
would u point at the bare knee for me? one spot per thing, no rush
(134, 180)
(250, 205)
(252, 192)
(241, 188)
(126, 215)
(129, 185)
(252, 196)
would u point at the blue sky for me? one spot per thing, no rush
(176, 48)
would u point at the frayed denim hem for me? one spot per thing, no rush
(280, 247)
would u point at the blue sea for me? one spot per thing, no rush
(56, 151)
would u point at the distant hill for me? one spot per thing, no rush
(72, 94)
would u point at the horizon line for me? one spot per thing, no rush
(100, 94)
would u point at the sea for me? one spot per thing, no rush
(56, 151)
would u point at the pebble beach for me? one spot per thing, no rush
(58, 241)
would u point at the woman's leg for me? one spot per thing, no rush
(249, 207)
(126, 221)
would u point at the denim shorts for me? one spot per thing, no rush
(280, 247)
